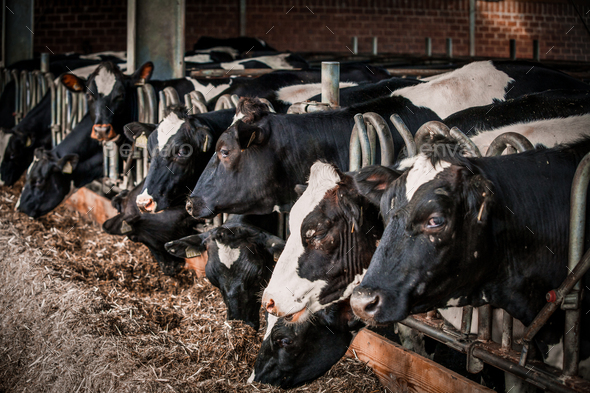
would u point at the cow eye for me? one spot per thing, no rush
(39, 182)
(435, 222)
(284, 342)
(184, 151)
(224, 152)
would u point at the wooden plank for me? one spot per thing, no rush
(402, 370)
(97, 207)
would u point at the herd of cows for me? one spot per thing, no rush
(442, 228)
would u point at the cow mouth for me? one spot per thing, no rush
(295, 317)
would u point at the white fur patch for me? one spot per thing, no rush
(168, 128)
(547, 132)
(209, 91)
(145, 195)
(105, 80)
(227, 49)
(475, 84)
(97, 56)
(301, 93)
(276, 62)
(35, 159)
(237, 117)
(200, 58)
(286, 288)
(227, 255)
(422, 172)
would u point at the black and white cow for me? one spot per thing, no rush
(112, 96)
(75, 162)
(268, 158)
(153, 230)
(180, 148)
(277, 61)
(240, 44)
(474, 231)
(239, 260)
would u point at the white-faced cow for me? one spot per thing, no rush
(268, 158)
(239, 260)
(153, 230)
(180, 147)
(474, 231)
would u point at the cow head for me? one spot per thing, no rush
(48, 182)
(239, 154)
(435, 215)
(151, 230)
(334, 232)
(110, 95)
(294, 354)
(180, 148)
(240, 262)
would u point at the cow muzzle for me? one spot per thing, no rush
(365, 303)
(103, 132)
(146, 204)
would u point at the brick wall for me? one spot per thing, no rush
(328, 25)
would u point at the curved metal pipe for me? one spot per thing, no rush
(171, 96)
(194, 103)
(141, 105)
(385, 138)
(152, 111)
(428, 130)
(224, 102)
(360, 146)
(465, 141)
(267, 102)
(503, 141)
(405, 133)
(235, 99)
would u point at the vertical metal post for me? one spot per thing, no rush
(243, 18)
(374, 46)
(428, 46)
(450, 48)
(485, 322)
(472, 10)
(513, 49)
(536, 51)
(466, 319)
(355, 45)
(44, 62)
(17, 30)
(507, 322)
(331, 82)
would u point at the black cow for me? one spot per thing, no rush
(76, 161)
(180, 147)
(112, 96)
(239, 261)
(334, 233)
(474, 231)
(153, 230)
(32, 132)
(268, 158)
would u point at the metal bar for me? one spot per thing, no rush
(450, 48)
(536, 51)
(385, 138)
(141, 105)
(466, 319)
(44, 62)
(405, 133)
(507, 322)
(224, 102)
(17, 100)
(465, 141)
(355, 45)
(428, 46)
(518, 141)
(472, 11)
(485, 323)
(374, 46)
(360, 146)
(161, 105)
(243, 18)
(513, 49)
(249, 72)
(152, 108)
(331, 83)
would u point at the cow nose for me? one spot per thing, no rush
(101, 131)
(145, 204)
(270, 307)
(365, 303)
(189, 207)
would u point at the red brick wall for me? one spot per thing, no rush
(328, 25)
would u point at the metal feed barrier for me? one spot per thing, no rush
(67, 109)
(30, 87)
(480, 348)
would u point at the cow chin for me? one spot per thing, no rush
(298, 317)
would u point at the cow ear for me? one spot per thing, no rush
(372, 181)
(39, 153)
(274, 245)
(187, 247)
(73, 83)
(249, 135)
(67, 164)
(136, 129)
(204, 139)
(143, 73)
(478, 195)
(300, 189)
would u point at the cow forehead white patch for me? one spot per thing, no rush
(290, 292)
(300, 93)
(237, 117)
(105, 80)
(227, 255)
(475, 84)
(422, 172)
(167, 128)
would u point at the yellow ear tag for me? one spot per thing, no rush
(125, 228)
(251, 139)
(67, 168)
(206, 143)
(192, 253)
(141, 141)
(29, 142)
